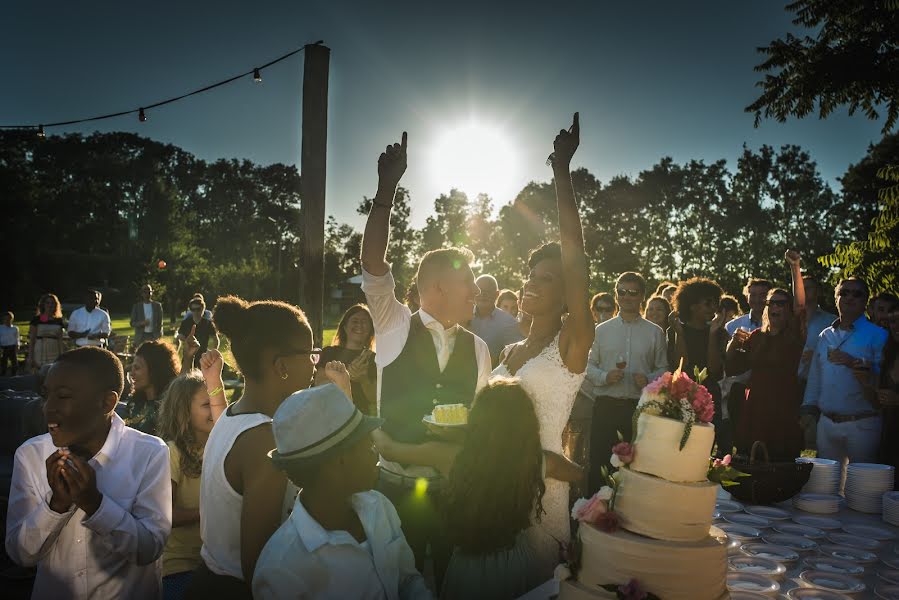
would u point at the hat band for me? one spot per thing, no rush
(328, 442)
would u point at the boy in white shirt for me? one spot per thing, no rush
(343, 539)
(91, 501)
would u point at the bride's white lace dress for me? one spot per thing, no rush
(553, 388)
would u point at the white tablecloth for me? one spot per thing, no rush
(550, 589)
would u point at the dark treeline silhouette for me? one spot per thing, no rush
(104, 209)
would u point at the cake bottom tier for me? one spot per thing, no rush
(670, 570)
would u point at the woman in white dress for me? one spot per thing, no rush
(550, 363)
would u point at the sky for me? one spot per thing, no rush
(481, 87)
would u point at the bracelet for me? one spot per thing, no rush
(216, 391)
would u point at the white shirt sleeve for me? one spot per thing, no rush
(660, 355)
(75, 322)
(105, 322)
(594, 373)
(140, 534)
(391, 317)
(32, 527)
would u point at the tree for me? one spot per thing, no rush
(852, 61)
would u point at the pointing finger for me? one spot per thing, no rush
(193, 330)
(405, 139)
(576, 124)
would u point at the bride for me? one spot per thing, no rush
(551, 361)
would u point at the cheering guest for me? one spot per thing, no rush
(603, 307)
(45, 333)
(881, 307)
(186, 416)
(353, 345)
(90, 325)
(496, 327)
(770, 411)
(199, 328)
(343, 539)
(628, 352)
(849, 425)
(91, 502)
(154, 366)
(888, 393)
(508, 301)
(9, 343)
(146, 317)
(756, 293)
(700, 341)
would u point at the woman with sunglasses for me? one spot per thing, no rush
(770, 411)
(243, 497)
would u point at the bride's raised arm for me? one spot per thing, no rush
(577, 331)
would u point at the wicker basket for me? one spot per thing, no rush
(769, 482)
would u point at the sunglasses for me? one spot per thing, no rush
(853, 293)
(777, 302)
(315, 354)
(631, 293)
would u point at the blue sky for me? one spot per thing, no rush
(650, 79)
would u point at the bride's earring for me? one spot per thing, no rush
(284, 376)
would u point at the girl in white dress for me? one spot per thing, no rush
(550, 363)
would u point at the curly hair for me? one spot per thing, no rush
(693, 291)
(42, 306)
(496, 482)
(162, 363)
(174, 420)
(549, 250)
(340, 335)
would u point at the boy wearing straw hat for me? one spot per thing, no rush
(342, 540)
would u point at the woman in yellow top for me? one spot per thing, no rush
(186, 417)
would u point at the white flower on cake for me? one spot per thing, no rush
(562, 572)
(605, 493)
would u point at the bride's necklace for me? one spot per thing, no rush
(540, 342)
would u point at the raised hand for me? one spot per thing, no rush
(211, 365)
(191, 343)
(717, 323)
(392, 164)
(566, 143)
(792, 257)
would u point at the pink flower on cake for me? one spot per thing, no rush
(631, 591)
(607, 522)
(722, 462)
(622, 454)
(587, 511)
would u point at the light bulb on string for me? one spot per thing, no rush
(257, 77)
(141, 116)
(40, 132)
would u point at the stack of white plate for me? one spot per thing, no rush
(825, 476)
(891, 508)
(866, 484)
(817, 503)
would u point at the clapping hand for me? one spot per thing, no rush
(82, 482)
(392, 164)
(335, 371)
(191, 343)
(61, 498)
(566, 143)
(359, 367)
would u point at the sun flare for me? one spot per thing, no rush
(475, 158)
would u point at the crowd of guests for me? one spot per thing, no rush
(322, 481)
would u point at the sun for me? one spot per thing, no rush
(475, 158)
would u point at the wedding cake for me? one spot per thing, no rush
(651, 527)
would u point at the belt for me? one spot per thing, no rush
(848, 418)
(433, 484)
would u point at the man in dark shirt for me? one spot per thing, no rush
(203, 329)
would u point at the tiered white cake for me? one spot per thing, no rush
(664, 501)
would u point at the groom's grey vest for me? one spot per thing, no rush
(412, 384)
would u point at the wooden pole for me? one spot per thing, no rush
(313, 162)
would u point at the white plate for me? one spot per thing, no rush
(741, 595)
(856, 555)
(832, 582)
(871, 532)
(887, 592)
(870, 467)
(744, 519)
(759, 566)
(812, 533)
(793, 542)
(750, 582)
(819, 522)
(779, 554)
(769, 512)
(814, 594)
(834, 565)
(854, 541)
(429, 419)
(889, 575)
(743, 532)
(728, 506)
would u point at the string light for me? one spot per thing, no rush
(141, 115)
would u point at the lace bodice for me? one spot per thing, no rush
(552, 388)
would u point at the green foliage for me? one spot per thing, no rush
(851, 59)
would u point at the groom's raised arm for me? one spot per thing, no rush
(391, 166)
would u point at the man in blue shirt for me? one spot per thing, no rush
(849, 422)
(756, 292)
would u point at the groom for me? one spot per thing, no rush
(423, 359)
